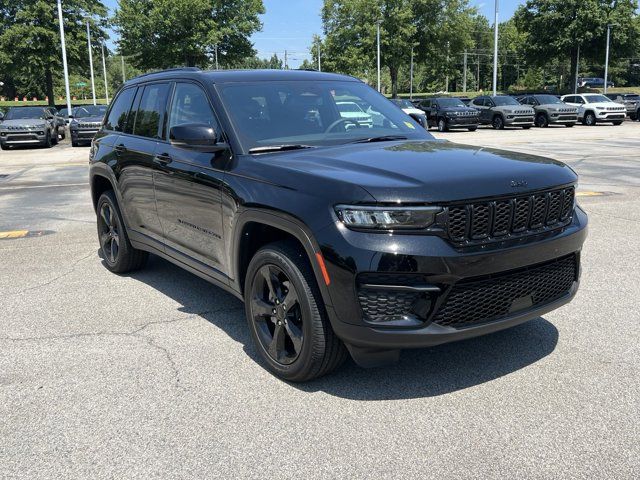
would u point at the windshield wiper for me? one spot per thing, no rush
(278, 148)
(382, 138)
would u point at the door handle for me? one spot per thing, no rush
(163, 159)
(120, 149)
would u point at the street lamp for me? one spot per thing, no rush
(93, 85)
(495, 52)
(104, 71)
(64, 57)
(606, 59)
(378, 39)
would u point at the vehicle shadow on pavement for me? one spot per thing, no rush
(420, 373)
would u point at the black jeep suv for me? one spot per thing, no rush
(447, 112)
(341, 236)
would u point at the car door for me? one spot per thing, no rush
(425, 106)
(188, 183)
(135, 149)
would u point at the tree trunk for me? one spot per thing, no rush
(48, 79)
(393, 72)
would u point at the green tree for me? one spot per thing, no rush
(556, 29)
(158, 34)
(30, 55)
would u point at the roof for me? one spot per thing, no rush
(233, 76)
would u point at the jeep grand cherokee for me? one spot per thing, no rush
(341, 237)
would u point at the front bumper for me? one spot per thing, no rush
(443, 266)
(27, 137)
(462, 121)
(563, 118)
(78, 135)
(518, 120)
(610, 116)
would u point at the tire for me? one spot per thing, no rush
(589, 119)
(542, 120)
(54, 138)
(569, 125)
(472, 129)
(296, 343)
(442, 125)
(498, 122)
(116, 250)
(526, 127)
(74, 143)
(47, 140)
(4, 147)
(617, 122)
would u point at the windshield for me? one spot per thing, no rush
(596, 98)
(450, 102)
(501, 101)
(403, 103)
(314, 113)
(24, 113)
(547, 99)
(90, 111)
(631, 96)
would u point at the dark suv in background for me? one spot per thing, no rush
(341, 238)
(448, 112)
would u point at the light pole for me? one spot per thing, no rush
(411, 77)
(64, 58)
(575, 80)
(93, 85)
(124, 78)
(216, 52)
(319, 67)
(104, 71)
(378, 40)
(606, 59)
(495, 51)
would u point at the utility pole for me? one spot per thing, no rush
(216, 53)
(606, 60)
(411, 77)
(446, 79)
(104, 70)
(464, 74)
(495, 51)
(286, 60)
(478, 72)
(64, 58)
(575, 80)
(378, 39)
(319, 67)
(124, 78)
(93, 84)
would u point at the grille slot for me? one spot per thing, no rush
(481, 301)
(481, 222)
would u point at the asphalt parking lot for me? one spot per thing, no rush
(152, 375)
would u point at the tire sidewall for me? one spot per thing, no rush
(442, 125)
(590, 119)
(273, 256)
(123, 250)
(541, 120)
(498, 123)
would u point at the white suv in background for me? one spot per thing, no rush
(594, 108)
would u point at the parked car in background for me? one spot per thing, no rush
(502, 110)
(550, 110)
(596, 108)
(594, 82)
(85, 123)
(447, 112)
(28, 126)
(631, 101)
(59, 121)
(360, 241)
(353, 112)
(64, 113)
(414, 112)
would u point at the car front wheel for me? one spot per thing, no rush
(442, 125)
(498, 122)
(589, 119)
(542, 120)
(286, 315)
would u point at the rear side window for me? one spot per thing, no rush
(151, 111)
(117, 117)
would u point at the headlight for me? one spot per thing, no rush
(387, 218)
(600, 108)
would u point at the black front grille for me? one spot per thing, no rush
(480, 301)
(480, 222)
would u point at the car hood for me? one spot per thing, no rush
(89, 119)
(458, 109)
(26, 123)
(422, 171)
(557, 106)
(413, 111)
(604, 104)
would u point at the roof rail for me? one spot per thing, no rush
(177, 69)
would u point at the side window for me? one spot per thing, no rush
(151, 111)
(117, 116)
(190, 105)
(579, 100)
(425, 104)
(131, 120)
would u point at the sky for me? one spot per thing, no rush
(290, 24)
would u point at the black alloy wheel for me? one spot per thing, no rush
(542, 120)
(109, 233)
(498, 122)
(277, 315)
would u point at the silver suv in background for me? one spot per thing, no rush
(631, 101)
(502, 110)
(28, 126)
(550, 110)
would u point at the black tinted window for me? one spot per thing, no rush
(120, 110)
(150, 115)
(190, 105)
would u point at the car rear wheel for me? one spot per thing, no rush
(116, 250)
(498, 122)
(286, 315)
(442, 125)
(542, 120)
(589, 119)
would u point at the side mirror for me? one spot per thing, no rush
(193, 135)
(49, 117)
